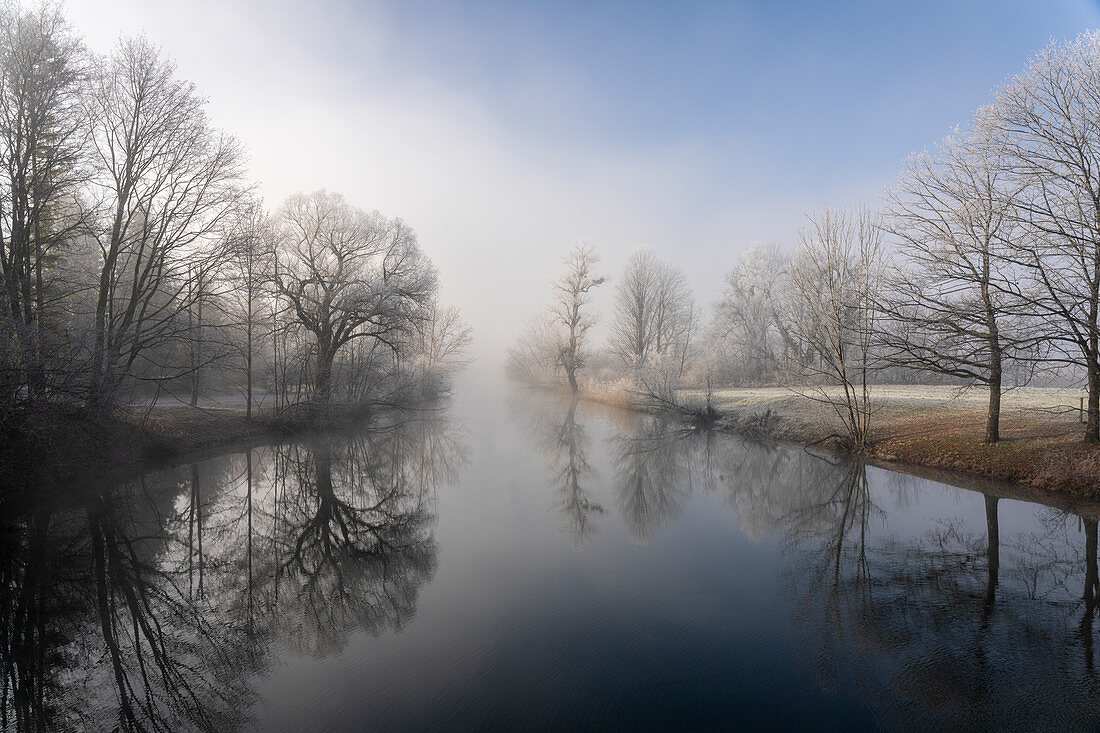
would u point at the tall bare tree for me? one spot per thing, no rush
(166, 180)
(349, 275)
(749, 315)
(568, 309)
(836, 277)
(672, 316)
(42, 133)
(250, 267)
(1048, 117)
(652, 310)
(950, 308)
(634, 306)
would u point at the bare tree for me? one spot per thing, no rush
(632, 324)
(1049, 120)
(686, 346)
(652, 310)
(166, 180)
(440, 344)
(534, 357)
(349, 275)
(950, 309)
(571, 295)
(836, 277)
(42, 132)
(749, 316)
(249, 268)
(672, 314)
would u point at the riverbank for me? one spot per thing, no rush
(46, 451)
(937, 427)
(931, 431)
(931, 426)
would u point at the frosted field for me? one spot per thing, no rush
(1051, 400)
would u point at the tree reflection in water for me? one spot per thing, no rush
(155, 605)
(354, 544)
(935, 630)
(152, 606)
(950, 628)
(655, 465)
(654, 461)
(565, 443)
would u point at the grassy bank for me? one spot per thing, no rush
(938, 427)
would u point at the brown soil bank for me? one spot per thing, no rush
(1032, 451)
(940, 427)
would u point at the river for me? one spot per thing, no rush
(515, 561)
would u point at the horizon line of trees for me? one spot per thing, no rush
(136, 259)
(981, 266)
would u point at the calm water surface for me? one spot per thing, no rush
(517, 562)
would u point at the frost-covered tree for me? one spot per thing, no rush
(652, 312)
(1048, 122)
(346, 276)
(749, 318)
(569, 309)
(950, 307)
(836, 278)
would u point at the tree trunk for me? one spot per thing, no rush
(571, 356)
(196, 347)
(248, 362)
(1092, 426)
(322, 383)
(101, 361)
(37, 381)
(275, 355)
(993, 419)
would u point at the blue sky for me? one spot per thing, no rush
(504, 132)
(838, 91)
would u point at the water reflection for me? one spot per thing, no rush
(654, 463)
(565, 443)
(655, 467)
(738, 578)
(945, 625)
(354, 545)
(928, 630)
(154, 605)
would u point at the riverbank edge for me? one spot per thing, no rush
(1054, 469)
(76, 446)
(955, 453)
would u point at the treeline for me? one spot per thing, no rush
(136, 260)
(980, 266)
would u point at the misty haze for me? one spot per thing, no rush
(549, 366)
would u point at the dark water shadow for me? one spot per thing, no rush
(155, 604)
